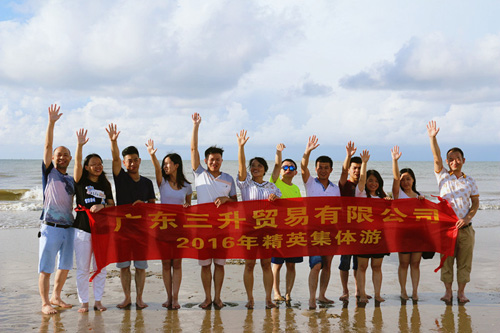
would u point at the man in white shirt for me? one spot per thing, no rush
(321, 186)
(462, 193)
(218, 187)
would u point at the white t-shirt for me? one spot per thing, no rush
(314, 188)
(209, 188)
(168, 195)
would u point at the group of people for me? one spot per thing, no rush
(61, 234)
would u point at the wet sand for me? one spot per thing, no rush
(20, 301)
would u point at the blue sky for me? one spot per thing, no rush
(374, 72)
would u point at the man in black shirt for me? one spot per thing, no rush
(131, 188)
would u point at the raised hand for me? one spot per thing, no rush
(81, 136)
(396, 154)
(432, 129)
(112, 132)
(312, 143)
(196, 118)
(365, 156)
(350, 149)
(151, 147)
(54, 114)
(280, 146)
(242, 138)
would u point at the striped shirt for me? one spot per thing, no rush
(251, 190)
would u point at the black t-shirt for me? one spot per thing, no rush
(129, 191)
(88, 194)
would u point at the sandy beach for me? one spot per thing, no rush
(20, 301)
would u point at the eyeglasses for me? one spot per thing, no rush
(288, 167)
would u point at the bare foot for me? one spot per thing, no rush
(288, 298)
(325, 300)
(60, 303)
(379, 299)
(250, 304)
(84, 308)
(139, 303)
(218, 303)
(462, 299)
(270, 305)
(414, 296)
(278, 298)
(447, 298)
(363, 299)
(126, 303)
(167, 304)
(404, 296)
(367, 296)
(48, 309)
(344, 297)
(312, 304)
(206, 303)
(176, 305)
(99, 307)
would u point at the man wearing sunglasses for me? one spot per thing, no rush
(321, 186)
(288, 170)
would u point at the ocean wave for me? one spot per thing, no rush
(21, 206)
(33, 194)
(489, 207)
(12, 194)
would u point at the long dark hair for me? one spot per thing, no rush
(380, 190)
(102, 179)
(179, 176)
(414, 185)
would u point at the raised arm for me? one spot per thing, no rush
(242, 170)
(54, 116)
(195, 154)
(432, 131)
(365, 157)
(396, 180)
(277, 161)
(350, 151)
(312, 144)
(152, 152)
(82, 139)
(113, 134)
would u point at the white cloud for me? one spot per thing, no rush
(434, 62)
(191, 49)
(372, 72)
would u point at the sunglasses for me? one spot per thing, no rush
(287, 167)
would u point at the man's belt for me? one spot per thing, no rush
(64, 226)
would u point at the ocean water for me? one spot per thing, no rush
(21, 186)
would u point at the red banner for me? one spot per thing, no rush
(262, 229)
